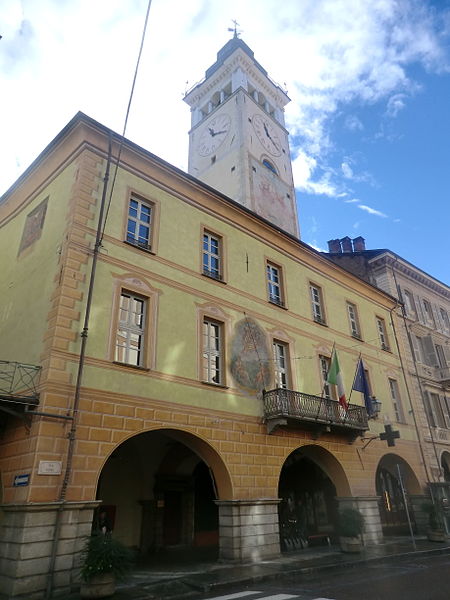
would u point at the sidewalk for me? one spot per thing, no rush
(179, 575)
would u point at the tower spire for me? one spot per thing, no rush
(236, 33)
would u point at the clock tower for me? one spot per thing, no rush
(238, 142)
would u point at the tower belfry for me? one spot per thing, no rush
(238, 142)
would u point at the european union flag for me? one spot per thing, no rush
(361, 385)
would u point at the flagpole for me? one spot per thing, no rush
(324, 384)
(354, 377)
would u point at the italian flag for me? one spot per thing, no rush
(334, 377)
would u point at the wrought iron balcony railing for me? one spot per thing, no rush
(19, 382)
(285, 407)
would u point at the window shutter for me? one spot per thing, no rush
(416, 349)
(419, 309)
(429, 409)
(430, 353)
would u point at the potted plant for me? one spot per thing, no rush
(104, 560)
(350, 527)
(436, 530)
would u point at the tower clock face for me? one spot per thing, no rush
(213, 134)
(267, 134)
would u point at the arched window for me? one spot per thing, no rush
(269, 166)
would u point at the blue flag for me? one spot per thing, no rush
(361, 385)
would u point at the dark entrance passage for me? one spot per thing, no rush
(308, 510)
(393, 514)
(162, 494)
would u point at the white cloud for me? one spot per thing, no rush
(372, 211)
(395, 104)
(351, 200)
(353, 123)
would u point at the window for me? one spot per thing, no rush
(327, 390)
(212, 255)
(353, 320)
(445, 319)
(212, 351)
(269, 166)
(130, 331)
(317, 304)
(409, 304)
(281, 364)
(429, 317)
(139, 223)
(396, 401)
(419, 350)
(437, 413)
(381, 326)
(274, 284)
(440, 354)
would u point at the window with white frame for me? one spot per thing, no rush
(327, 390)
(396, 401)
(130, 330)
(317, 303)
(382, 334)
(212, 255)
(281, 364)
(212, 351)
(353, 320)
(274, 284)
(428, 310)
(139, 222)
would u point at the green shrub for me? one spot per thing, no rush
(351, 522)
(103, 554)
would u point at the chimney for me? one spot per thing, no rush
(334, 246)
(359, 244)
(346, 243)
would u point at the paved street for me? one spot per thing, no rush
(419, 578)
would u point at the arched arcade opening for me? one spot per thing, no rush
(159, 489)
(395, 481)
(310, 482)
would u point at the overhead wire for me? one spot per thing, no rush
(122, 140)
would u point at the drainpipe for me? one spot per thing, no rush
(84, 335)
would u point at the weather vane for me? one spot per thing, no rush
(235, 28)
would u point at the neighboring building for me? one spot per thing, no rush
(424, 331)
(182, 343)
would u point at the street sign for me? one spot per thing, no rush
(21, 479)
(50, 467)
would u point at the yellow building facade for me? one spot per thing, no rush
(181, 383)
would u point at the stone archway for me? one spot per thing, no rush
(310, 481)
(393, 472)
(159, 489)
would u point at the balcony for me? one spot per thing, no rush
(18, 387)
(443, 375)
(296, 410)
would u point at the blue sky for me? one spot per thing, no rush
(369, 84)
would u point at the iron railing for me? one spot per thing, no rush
(285, 403)
(19, 382)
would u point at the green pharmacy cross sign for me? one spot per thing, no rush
(389, 435)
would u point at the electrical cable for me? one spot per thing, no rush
(119, 154)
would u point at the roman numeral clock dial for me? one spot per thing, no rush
(213, 134)
(267, 135)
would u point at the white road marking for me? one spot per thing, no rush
(235, 596)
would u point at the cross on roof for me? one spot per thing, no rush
(389, 435)
(234, 29)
